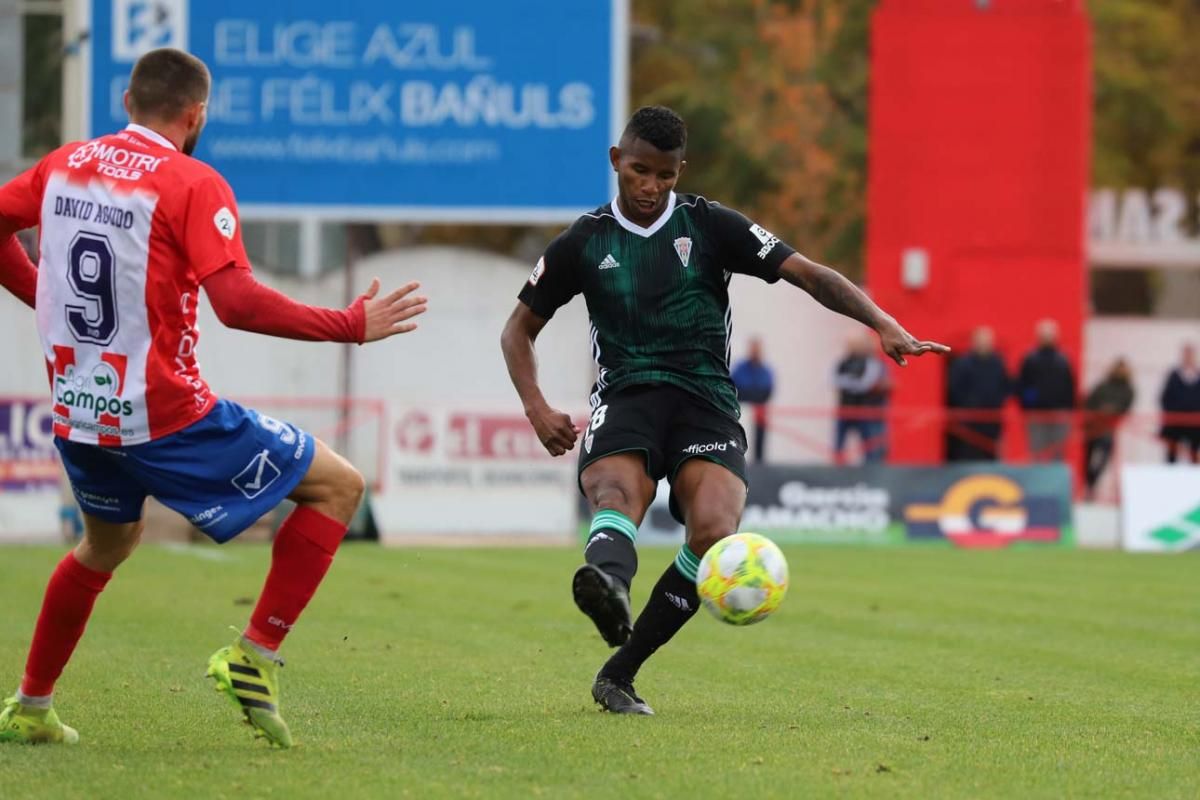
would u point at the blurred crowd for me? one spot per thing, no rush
(1045, 389)
(978, 387)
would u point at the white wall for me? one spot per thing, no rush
(1152, 347)
(454, 358)
(233, 363)
(801, 341)
(22, 368)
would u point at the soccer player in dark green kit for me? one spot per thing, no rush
(654, 268)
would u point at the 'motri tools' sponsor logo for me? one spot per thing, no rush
(114, 162)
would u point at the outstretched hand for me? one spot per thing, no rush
(898, 343)
(388, 315)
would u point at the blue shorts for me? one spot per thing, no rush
(222, 472)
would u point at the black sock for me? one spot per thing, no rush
(672, 603)
(610, 545)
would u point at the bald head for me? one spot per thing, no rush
(1047, 333)
(983, 341)
(756, 349)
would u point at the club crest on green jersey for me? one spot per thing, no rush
(683, 246)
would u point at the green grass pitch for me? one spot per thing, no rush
(466, 673)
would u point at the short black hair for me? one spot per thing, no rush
(165, 82)
(658, 125)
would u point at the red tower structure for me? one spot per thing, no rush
(980, 129)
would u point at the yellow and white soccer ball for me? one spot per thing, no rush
(742, 578)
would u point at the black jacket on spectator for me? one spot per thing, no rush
(1180, 397)
(1046, 381)
(978, 381)
(858, 380)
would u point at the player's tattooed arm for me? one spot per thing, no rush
(555, 429)
(834, 291)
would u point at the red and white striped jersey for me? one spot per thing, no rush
(130, 227)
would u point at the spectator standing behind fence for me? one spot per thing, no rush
(1181, 395)
(862, 383)
(1106, 403)
(979, 383)
(1046, 389)
(755, 382)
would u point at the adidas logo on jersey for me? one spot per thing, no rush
(609, 262)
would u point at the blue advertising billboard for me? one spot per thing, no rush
(462, 110)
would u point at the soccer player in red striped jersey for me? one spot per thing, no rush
(131, 227)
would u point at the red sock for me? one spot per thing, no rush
(70, 595)
(301, 556)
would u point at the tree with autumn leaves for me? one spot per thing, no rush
(775, 95)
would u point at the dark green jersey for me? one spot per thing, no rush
(658, 297)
